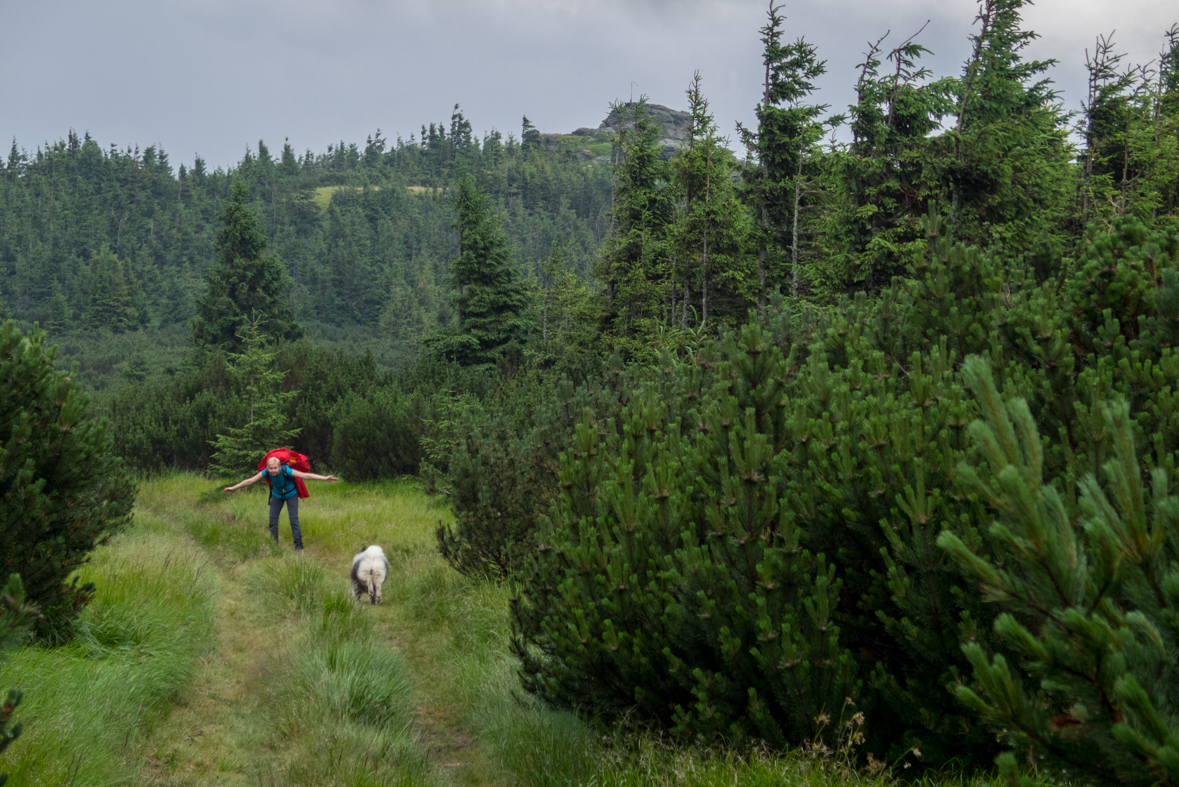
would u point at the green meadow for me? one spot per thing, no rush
(212, 657)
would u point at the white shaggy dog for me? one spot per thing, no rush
(369, 569)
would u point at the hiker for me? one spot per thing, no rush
(283, 489)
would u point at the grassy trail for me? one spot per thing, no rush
(221, 728)
(213, 734)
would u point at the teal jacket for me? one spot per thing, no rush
(282, 485)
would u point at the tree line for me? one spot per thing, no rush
(118, 240)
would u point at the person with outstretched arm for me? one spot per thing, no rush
(283, 490)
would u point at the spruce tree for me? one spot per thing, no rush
(635, 262)
(1106, 109)
(708, 234)
(59, 310)
(62, 491)
(883, 183)
(112, 294)
(1130, 162)
(1005, 164)
(490, 299)
(1165, 116)
(245, 283)
(529, 136)
(777, 188)
(259, 386)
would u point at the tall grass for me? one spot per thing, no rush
(88, 704)
(341, 698)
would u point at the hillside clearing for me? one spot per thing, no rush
(322, 196)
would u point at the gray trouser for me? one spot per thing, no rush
(292, 512)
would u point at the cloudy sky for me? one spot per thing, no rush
(215, 76)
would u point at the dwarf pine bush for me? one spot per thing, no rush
(751, 538)
(1087, 579)
(62, 490)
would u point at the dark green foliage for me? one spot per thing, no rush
(491, 302)
(708, 238)
(714, 558)
(16, 618)
(1118, 275)
(503, 473)
(247, 285)
(882, 182)
(1005, 164)
(569, 314)
(1130, 161)
(777, 188)
(170, 422)
(113, 296)
(319, 379)
(752, 538)
(376, 433)
(634, 266)
(364, 241)
(62, 490)
(1088, 588)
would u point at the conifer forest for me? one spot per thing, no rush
(852, 429)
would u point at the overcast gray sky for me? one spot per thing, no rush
(215, 76)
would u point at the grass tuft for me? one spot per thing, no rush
(88, 704)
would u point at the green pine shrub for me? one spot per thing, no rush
(1086, 574)
(320, 378)
(750, 540)
(169, 423)
(1118, 274)
(63, 491)
(733, 556)
(376, 433)
(503, 473)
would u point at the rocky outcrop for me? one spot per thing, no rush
(673, 126)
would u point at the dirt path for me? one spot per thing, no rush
(216, 733)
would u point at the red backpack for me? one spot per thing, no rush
(293, 459)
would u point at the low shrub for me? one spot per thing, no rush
(63, 491)
(377, 433)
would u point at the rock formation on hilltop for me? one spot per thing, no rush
(673, 126)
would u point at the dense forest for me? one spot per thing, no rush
(98, 240)
(751, 437)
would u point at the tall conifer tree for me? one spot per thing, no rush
(491, 301)
(635, 260)
(787, 130)
(709, 231)
(1006, 163)
(246, 283)
(881, 182)
(259, 386)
